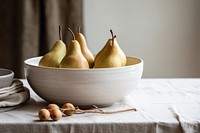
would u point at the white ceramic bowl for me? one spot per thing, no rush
(83, 87)
(6, 77)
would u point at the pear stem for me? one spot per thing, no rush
(79, 29)
(113, 37)
(72, 33)
(60, 32)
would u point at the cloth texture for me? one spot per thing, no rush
(13, 96)
(163, 106)
(29, 28)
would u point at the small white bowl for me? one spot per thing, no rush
(83, 87)
(6, 77)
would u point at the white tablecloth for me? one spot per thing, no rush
(163, 105)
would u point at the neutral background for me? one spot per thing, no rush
(29, 28)
(164, 33)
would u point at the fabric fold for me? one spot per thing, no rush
(13, 96)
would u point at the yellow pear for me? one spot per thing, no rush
(111, 55)
(55, 55)
(84, 48)
(74, 57)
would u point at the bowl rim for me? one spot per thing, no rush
(81, 69)
(10, 73)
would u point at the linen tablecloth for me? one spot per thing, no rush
(163, 106)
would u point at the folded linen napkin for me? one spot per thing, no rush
(13, 96)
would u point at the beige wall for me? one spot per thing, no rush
(164, 33)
